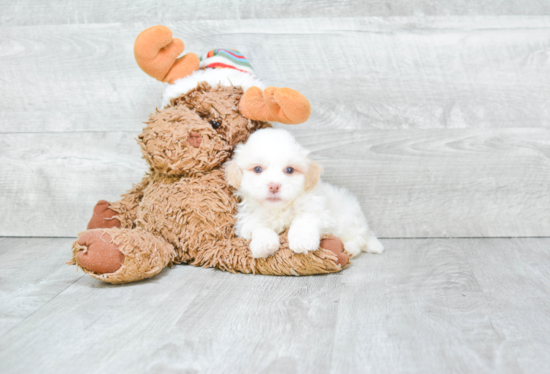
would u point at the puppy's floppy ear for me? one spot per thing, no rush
(233, 173)
(313, 175)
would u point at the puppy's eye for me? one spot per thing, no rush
(215, 124)
(289, 170)
(258, 169)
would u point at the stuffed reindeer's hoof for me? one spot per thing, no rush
(103, 217)
(101, 255)
(336, 246)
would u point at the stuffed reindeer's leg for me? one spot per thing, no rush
(233, 255)
(121, 255)
(121, 213)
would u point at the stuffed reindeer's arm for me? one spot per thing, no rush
(121, 213)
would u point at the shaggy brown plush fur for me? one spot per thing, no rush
(183, 209)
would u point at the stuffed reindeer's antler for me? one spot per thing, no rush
(283, 105)
(156, 54)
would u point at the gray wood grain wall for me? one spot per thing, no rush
(440, 123)
(38, 12)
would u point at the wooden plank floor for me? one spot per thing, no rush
(425, 306)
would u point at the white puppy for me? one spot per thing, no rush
(280, 189)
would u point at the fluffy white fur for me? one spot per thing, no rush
(277, 199)
(214, 77)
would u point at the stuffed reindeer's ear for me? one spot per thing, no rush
(313, 175)
(156, 54)
(283, 105)
(233, 173)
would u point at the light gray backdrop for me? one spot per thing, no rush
(440, 123)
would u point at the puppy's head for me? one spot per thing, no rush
(272, 168)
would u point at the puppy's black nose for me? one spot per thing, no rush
(194, 139)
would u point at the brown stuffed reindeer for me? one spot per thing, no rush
(183, 209)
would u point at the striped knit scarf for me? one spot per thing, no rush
(226, 58)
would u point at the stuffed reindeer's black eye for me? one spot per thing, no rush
(215, 124)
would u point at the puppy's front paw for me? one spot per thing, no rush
(374, 246)
(303, 239)
(264, 243)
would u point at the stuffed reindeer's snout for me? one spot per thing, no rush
(194, 140)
